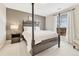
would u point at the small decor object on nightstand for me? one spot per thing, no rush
(15, 38)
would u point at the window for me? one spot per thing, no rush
(62, 23)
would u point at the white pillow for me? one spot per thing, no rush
(27, 28)
(30, 28)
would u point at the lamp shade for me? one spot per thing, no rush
(15, 27)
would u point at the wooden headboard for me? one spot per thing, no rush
(29, 23)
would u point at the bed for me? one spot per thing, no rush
(43, 39)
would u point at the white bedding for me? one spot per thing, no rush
(38, 36)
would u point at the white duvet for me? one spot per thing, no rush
(38, 36)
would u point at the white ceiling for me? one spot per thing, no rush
(43, 9)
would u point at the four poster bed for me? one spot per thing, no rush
(38, 40)
(43, 39)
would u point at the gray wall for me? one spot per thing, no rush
(17, 17)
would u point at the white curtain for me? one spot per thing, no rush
(71, 29)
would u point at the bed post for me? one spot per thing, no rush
(33, 42)
(59, 31)
(58, 41)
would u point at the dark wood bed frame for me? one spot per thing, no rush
(37, 48)
(43, 45)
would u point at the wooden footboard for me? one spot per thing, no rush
(44, 45)
(37, 48)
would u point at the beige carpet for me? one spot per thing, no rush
(16, 49)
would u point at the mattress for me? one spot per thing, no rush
(38, 36)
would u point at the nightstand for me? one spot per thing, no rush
(15, 38)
